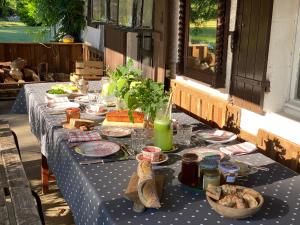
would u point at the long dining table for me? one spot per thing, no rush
(95, 192)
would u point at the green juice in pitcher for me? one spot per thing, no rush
(163, 133)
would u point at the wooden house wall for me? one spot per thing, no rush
(223, 114)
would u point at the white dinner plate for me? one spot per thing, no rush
(97, 148)
(116, 131)
(91, 111)
(216, 136)
(63, 105)
(82, 99)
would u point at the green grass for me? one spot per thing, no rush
(19, 32)
(206, 33)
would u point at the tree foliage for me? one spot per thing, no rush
(203, 10)
(7, 8)
(68, 14)
(26, 10)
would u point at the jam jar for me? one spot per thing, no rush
(189, 170)
(72, 113)
(229, 172)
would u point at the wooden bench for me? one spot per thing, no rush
(17, 205)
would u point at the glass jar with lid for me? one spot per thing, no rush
(207, 166)
(229, 172)
(211, 177)
(189, 170)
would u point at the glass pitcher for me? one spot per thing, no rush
(163, 130)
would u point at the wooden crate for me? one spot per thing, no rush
(89, 70)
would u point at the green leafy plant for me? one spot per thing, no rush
(146, 95)
(123, 78)
(137, 92)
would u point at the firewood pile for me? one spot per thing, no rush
(14, 74)
(17, 72)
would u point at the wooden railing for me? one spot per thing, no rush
(223, 114)
(60, 57)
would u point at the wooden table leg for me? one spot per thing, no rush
(45, 175)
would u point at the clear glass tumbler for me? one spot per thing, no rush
(93, 96)
(184, 134)
(138, 140)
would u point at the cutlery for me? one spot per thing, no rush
(125, 149)
(94, 161)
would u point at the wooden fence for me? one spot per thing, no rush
(61, 57)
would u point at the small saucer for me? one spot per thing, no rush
(174, 149)
(163, 158)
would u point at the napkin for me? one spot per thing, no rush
(239, 149)
(79, 136)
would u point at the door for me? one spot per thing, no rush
(250, 47)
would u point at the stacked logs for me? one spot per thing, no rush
(17, 72)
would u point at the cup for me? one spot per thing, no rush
(184, 134)
(151, 153)
(72, 113)
(138, 140)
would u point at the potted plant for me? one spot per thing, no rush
(137, 92)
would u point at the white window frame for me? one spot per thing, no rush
(293, 104)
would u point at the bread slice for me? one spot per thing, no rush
(77, 123)
(214, 192)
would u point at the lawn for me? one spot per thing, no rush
(206, 33)
(19, 32)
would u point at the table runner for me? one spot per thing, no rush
(95, 192)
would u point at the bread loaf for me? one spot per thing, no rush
(122, 116)
(146, 186)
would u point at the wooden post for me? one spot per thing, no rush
(173, 36)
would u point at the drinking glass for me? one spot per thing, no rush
(93, 96)
(138, 140)
(184, 134)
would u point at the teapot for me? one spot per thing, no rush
(83, 86)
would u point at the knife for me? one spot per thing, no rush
(94, 161)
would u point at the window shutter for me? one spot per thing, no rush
(250, 45)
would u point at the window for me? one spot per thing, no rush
(113, 11)
(126, 13)
(96, 12)
(204, 38)
(129, 15)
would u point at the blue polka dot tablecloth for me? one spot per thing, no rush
(95, 192)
